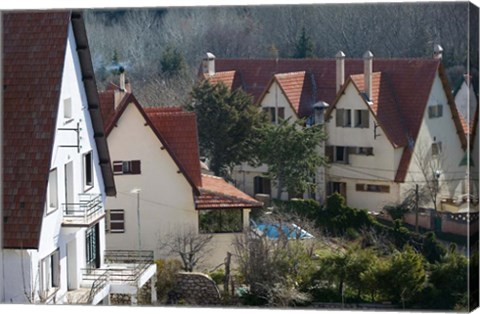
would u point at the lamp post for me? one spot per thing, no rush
(137, 191)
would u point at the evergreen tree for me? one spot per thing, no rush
(228, 124)
(290, 151)
(304, 48)
(172, 62)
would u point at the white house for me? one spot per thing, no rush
(466, 97)
(56, 168)
(384, 139)
(161, 191)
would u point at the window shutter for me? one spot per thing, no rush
(345, 156)
(135, 167)
(118, 167)
(440, 110)
(339, 117)
(365, 122)
(281, 113)
(329, 153)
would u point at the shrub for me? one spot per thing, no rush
(166, 270)
(218, 276)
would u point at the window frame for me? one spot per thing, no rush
(67, 110)
(111, 221)
(127, 167)
(435, 111)
(50, 273)
(88, 162)
(374, 188)
(221, 229)
(52, 191)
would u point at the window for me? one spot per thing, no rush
(127, 167)
(261, 185)
(220, 220)
(361, 119)
(435, 111)
(343, 118)
(87, 171)
(372, 188)
(367, 151)
(271, 112)
(50, 274)
(116, 221)
(67, 109)
(52, 191)
(436, 148)
(337, 187)
(341, 154)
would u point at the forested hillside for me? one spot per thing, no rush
(161, 49)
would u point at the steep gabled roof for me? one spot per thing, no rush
(230, 78)
(298, 88)
(181, 156)
(179, 129)
(33, 59)
(216, 193)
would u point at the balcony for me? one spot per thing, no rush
(85, 213)
(124, 272)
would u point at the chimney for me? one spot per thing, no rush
(209, 64)
(340, 57)
(367, 72)
(122, 78)
(437, 51)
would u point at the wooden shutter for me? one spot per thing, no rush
(135, 167)
(117, 221)
(439, 110)
(118, 167)
(281, 113)
(339, 113)
(365, 119)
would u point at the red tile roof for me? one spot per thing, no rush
(384, 107)
(179, 129)
(216, 193)
(229, 78)
(405, 82)
(34, 51)
(33, 59)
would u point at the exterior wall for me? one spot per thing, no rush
(20, 274)
(441, 129)
(466, 101)
(474, 170)
(377, 169)
(221, 244)
(53, 236)
(275, 98)
(166, 198)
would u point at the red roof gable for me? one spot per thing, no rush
(217, 193)
(33, 60)
(229, 78)
(298, 88)
(34, 52)
(179, 129)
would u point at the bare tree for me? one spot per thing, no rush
(187, 244)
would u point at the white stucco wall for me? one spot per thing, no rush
(377, 169)
(441, 129)
(276, 98)
(466, 101)
(166, 198)
(474, 171)
(53, 236)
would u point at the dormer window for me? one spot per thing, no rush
(435, 111)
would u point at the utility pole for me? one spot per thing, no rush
(416, 208)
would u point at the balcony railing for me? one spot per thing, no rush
(88, 210)
(125, 271)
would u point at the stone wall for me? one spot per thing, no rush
(120, 299)
(143, 296)
(195, 289)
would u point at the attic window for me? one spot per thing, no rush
(88, 171)
(67, 109)
(361, 119)
(127, 167)
(435, 111)
(343, 118)
(52, 191)
(271, 113)
(436, 148)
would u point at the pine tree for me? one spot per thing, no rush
(304, 48)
